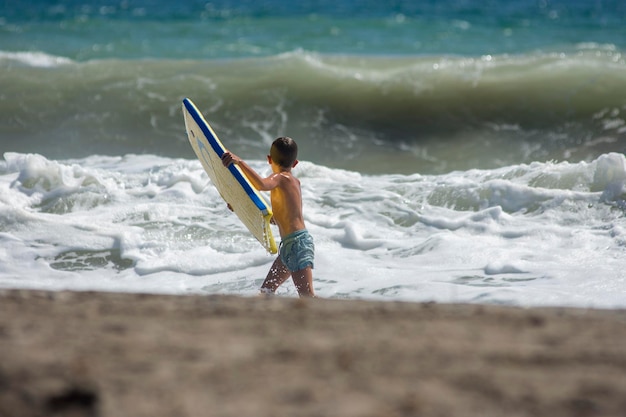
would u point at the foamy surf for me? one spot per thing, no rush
(537, 234)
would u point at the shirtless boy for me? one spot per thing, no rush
(296, 248)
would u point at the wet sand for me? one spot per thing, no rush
(117, 355)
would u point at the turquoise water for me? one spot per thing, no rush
(82, 30)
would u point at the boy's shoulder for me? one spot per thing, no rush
(287, 178)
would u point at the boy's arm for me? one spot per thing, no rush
(263, 184)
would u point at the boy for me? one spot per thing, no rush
(296, 248)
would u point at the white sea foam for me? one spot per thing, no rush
(538, 234)
(34, 59)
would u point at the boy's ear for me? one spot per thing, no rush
(295, 163)
(269, 159)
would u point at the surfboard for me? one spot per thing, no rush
(232, 184)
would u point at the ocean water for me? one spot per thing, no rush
(451, 151)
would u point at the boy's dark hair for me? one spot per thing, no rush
(284, 151)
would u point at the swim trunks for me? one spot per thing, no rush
(297, 250)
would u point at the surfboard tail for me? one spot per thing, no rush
(269, 242)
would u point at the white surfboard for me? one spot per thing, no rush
(231, 182)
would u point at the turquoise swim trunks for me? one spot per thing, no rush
(297, 250)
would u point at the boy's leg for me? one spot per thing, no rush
(303, 279)
(277, 274)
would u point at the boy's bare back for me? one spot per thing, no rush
(287, 204)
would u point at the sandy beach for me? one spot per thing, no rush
(109, 354)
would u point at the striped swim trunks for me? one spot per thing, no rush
(297, 250)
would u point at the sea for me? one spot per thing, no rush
(451, 151)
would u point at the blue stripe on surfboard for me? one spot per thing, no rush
(217, 146)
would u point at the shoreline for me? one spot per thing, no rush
(116, 354)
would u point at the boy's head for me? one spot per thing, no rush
(284, 152)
